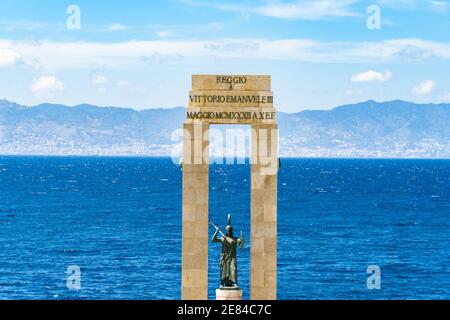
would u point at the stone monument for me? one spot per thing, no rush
(230, 99)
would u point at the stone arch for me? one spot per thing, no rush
(230, 99)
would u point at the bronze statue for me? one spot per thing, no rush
(228, 260)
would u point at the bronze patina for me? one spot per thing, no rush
(228, 259)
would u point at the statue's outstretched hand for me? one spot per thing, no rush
(241, 240)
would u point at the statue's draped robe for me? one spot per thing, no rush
(228, 262)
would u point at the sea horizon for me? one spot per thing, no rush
(211, 158)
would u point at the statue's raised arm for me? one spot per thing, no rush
(214, 237)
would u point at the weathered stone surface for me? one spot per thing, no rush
(195, 212)
(222, 82)
(265, 152)
(264, 170)
(195, 144)
(191, 293)
(257, 279)
(194, 277)
(263, 293)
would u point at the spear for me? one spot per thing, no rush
(218, 229)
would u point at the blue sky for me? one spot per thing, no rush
(141, 54)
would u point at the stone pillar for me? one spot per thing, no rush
(263, 246)
(195, 212)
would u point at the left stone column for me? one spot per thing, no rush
(195, 212)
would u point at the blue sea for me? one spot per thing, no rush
(119, 220)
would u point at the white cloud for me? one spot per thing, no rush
(163, 33)
(46, 86)
(215, 26)
(307, 10)
(439, 6)
(371, 76)
(399, 4)
(354, 92)
(445, 97)
(129, 85)
(8, 57)
(54, 56)
(101, 90)
(300, 9)
(26, 25)
(123, 83)
(117, 27)
(424, 88)
(99, 80)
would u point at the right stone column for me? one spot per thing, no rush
(264, 170)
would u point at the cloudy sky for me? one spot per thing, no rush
(141, 54)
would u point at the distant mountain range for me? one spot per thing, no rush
(368, 129)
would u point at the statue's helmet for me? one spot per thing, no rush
(229, 228)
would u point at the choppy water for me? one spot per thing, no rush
(119, 219)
